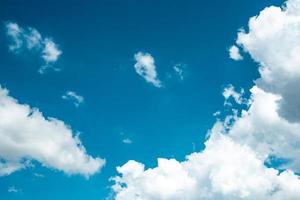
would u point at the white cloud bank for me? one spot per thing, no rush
(25, 135)
(31, 40)
(145, 67)
(224, 170)
(233, 164)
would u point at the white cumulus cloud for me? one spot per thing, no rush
(233, 164)
(224, 170)
(25, 135)
(145, 67)
(273, 42)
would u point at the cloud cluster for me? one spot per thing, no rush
(25, 135)
(145, 67)
(273, 42)
(240, 159)
(224, 170)
(31, 40)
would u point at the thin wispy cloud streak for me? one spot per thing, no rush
(73, 97)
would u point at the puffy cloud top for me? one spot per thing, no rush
(273, 42)
(224, 170)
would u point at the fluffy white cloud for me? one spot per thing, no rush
(234, 53)
(224, 170)
(263, 129)
(50, 55)
(146, 68)
(31, 40)
(50, 52)
(271, 125)
(75, 98)
(273, 42)
(25, 135)
(233, 164)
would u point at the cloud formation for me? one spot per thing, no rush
(234, 53)
(73, 97)
(239, 159)
(31, 40)
(230, 92)
(224, 170)
(47, 140)
(272, 41)
(145, 67)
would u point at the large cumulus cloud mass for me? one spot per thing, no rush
(253, 153)
(26, 135)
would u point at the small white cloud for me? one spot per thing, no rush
(51, 51)
(50, 55)
(217, 113)
(12, 189)
(229, 91)
(223, 170)
(31, 40)
(146, 68)
(75, 98)
(127, 141)
(38, 175)
(234, 53)
(179, 71)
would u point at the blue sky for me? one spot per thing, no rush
(122, 116)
